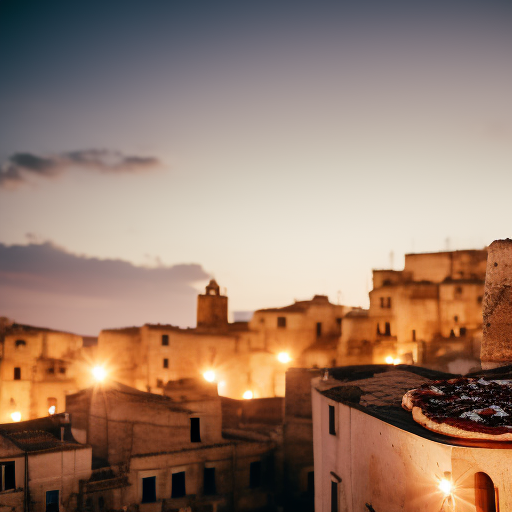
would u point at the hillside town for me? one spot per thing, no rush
(220, 416)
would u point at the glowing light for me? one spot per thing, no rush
(397, 361)
(445, 486)
(99, 373)
(209, 375)
(51, 410)
(389, 360)
(222, 384)
(16, 416)
(284, 357)
(248, 394)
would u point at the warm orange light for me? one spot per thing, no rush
(248, 394)
(51, 410)
(16, 416)
(284, 357)
(99, 373)
(389, 360)
(445, 486)
(397, 360)
(209, 376)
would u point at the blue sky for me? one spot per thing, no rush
(284, 147)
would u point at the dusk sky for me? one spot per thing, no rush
(285, 148)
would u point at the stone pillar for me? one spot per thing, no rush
(497, 306)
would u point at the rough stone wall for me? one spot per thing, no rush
(497, 304)
(212, 311)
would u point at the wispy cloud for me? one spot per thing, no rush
(20, 166)
(43, 284)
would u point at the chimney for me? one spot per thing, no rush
(496, 347)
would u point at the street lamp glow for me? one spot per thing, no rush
(445, 486)
(284, 357)
(99, 373)
(389, 360)
(248, 394)
(16, 416)
(397, 361)
(209, 375)
(51, 410)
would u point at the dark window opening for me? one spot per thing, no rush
(62, 370)
(414, 335)
(8, 476)
(452, 333)
(479, 299)
(50, 370)
(387, 329)
(455, 318)
(389, 302)
(209, 481)
(332, 420)
(101, 503)
(311, 484)
(485, 495)
(318, 329)
(338, 325)
(52, 501)
(166, 363)
(281, 321)
(165, 340)
(378, 330)
(195, 430)
(382, 302)
(255, 474)
(149, 489)
(20, 343)
(462, 331)
(334, 496)
(17, 373)
(178, 485)
(89, 504)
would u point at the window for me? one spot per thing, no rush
(195, 430)
(378, 330)
(20, 343)
(382, 302)
(178, 485)
(485, 494)
(414, 335)
(165, 340)
(332, 420)
(166, 363)
(8, 475)
(149, 489)
(52, 501)
(387, 329)
(462, 331)
(52, 405)
(389, 302)
(455, 318)
(334, 496)
(318, 329)
(50, 370)
(209, 481)
(338, 325)
(255, 474)
(17, 373)
(281, 322)
(62, 370)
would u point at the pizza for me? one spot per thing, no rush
(467, 408)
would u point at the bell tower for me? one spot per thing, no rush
(212, 307)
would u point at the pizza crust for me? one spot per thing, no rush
(450, 430)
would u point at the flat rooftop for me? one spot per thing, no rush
(377, 390)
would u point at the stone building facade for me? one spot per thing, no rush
(38, 367)
(164, 453)
(432, 307)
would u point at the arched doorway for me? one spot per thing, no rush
(485, 494)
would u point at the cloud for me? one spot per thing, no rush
(42, 284)
(20, 166)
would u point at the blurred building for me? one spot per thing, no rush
(430, 310)
(42, 466)
(38, 367)
(242, 357)
(165, 453)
